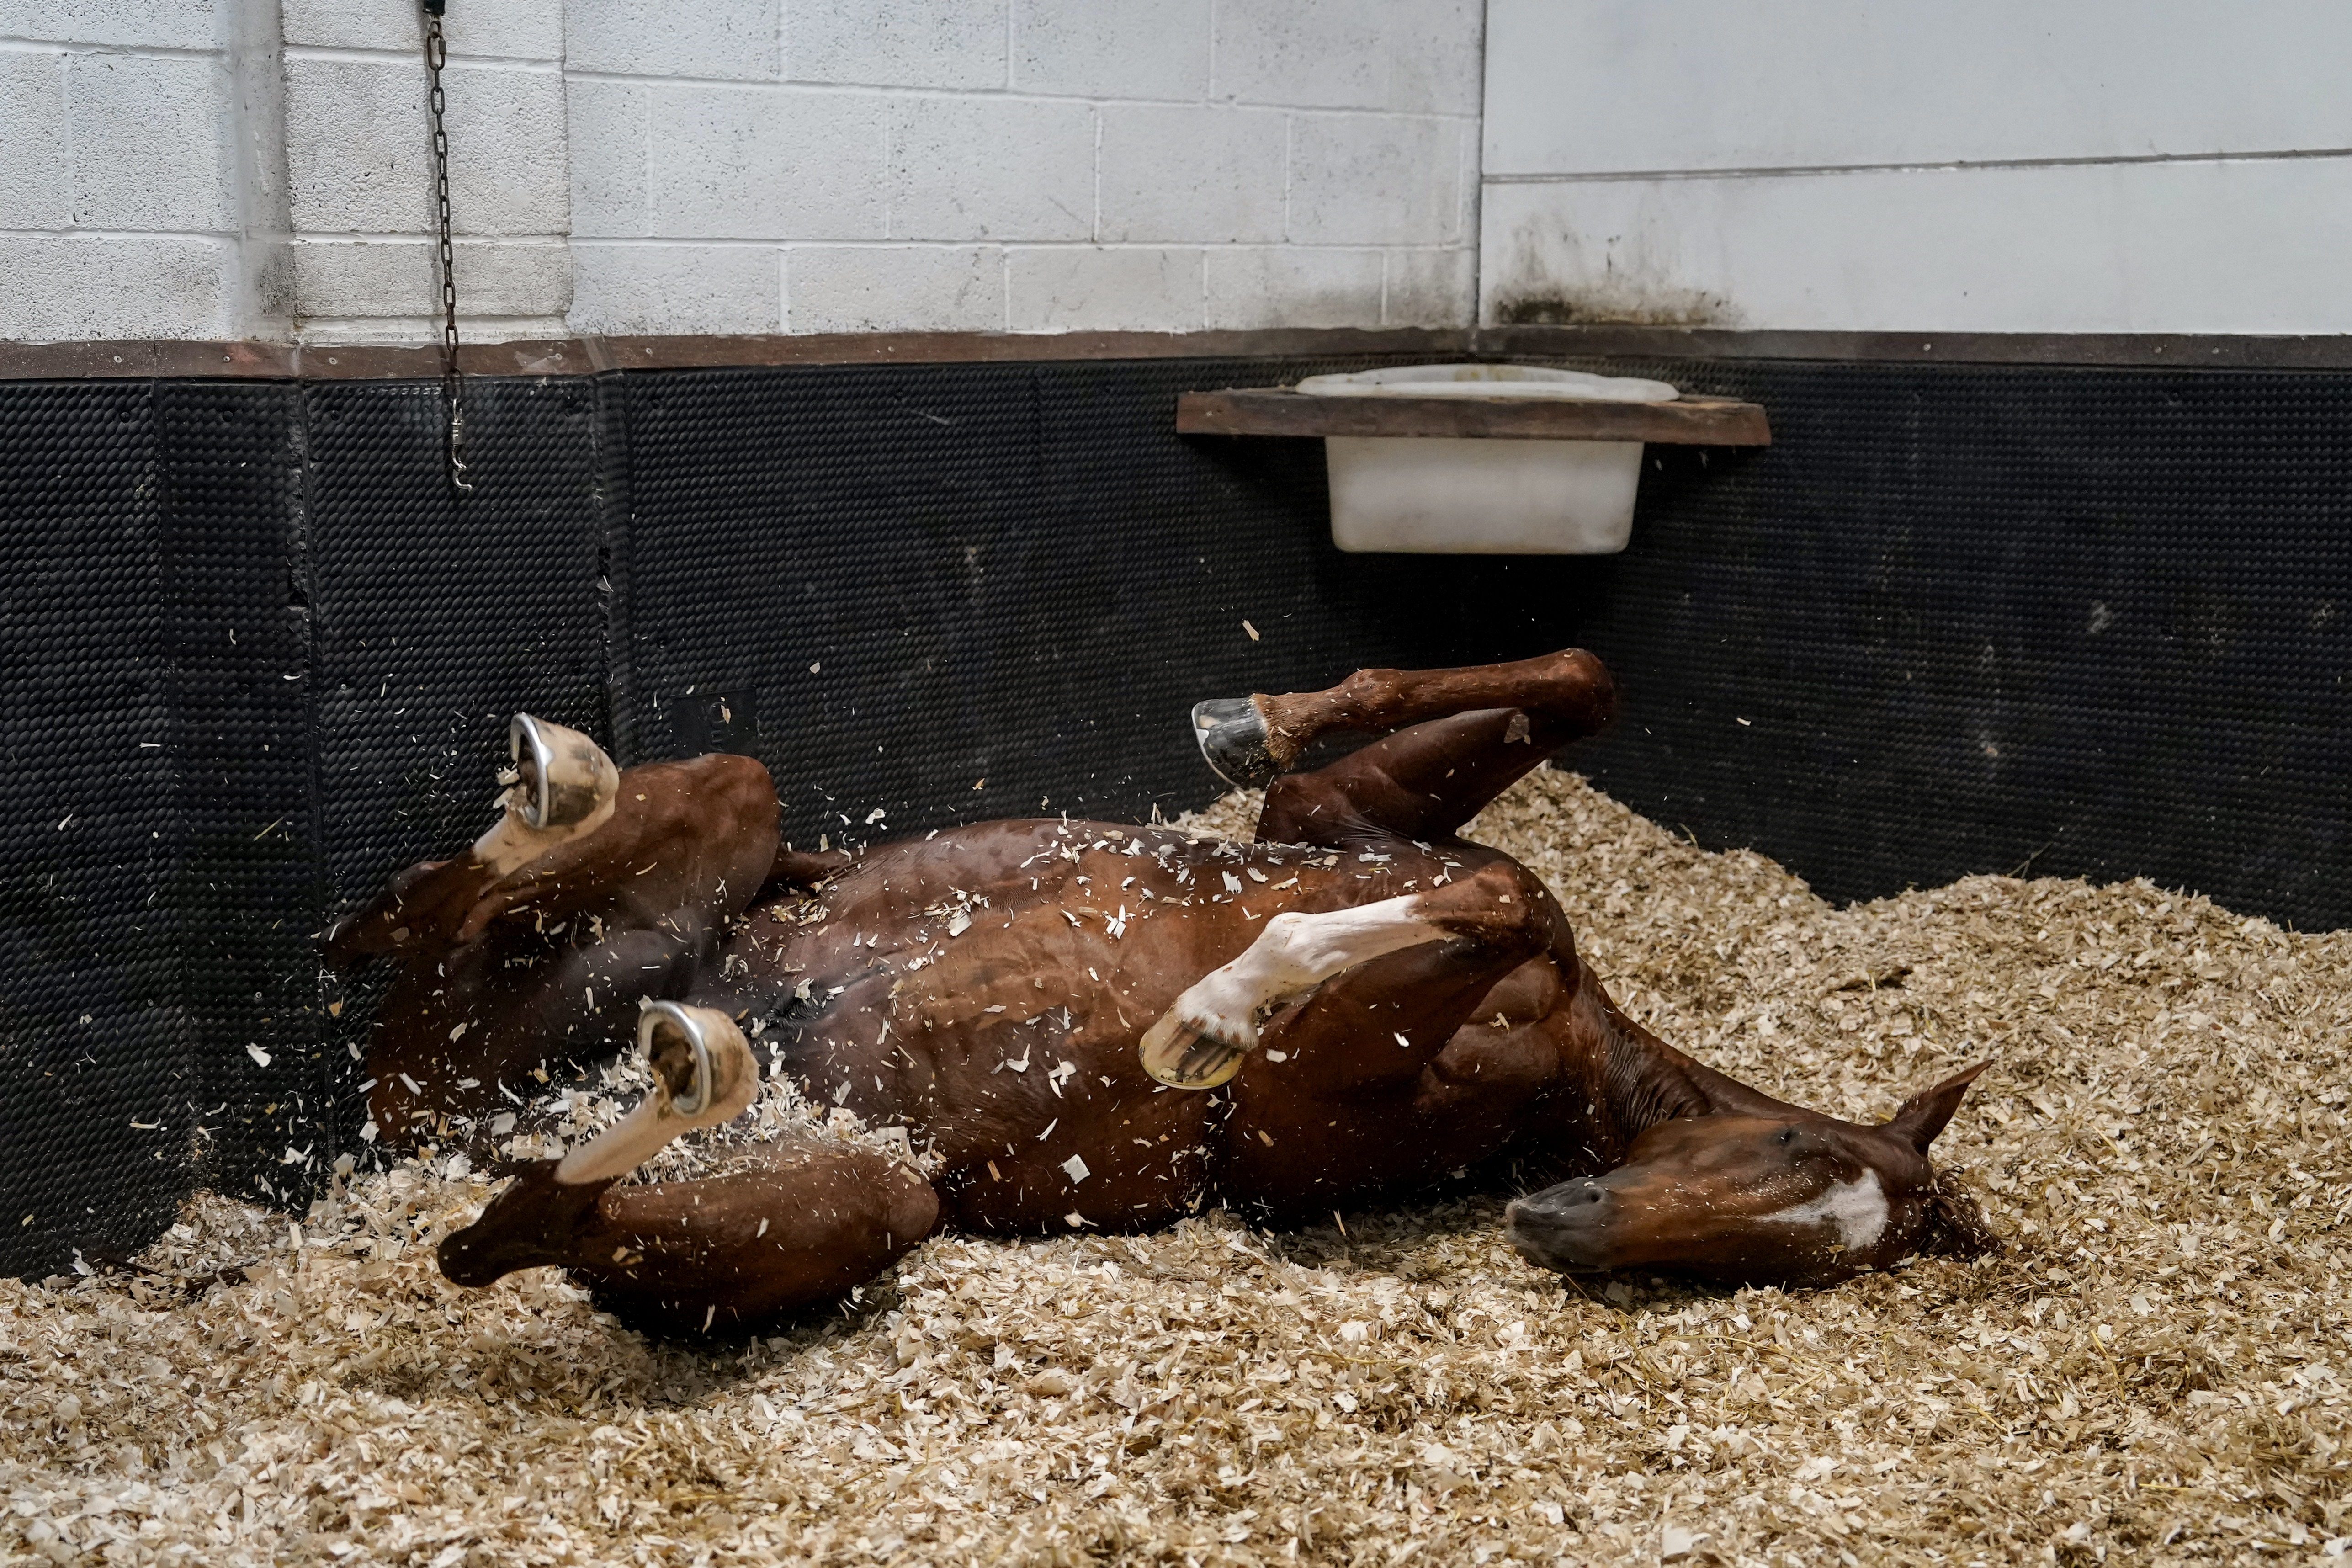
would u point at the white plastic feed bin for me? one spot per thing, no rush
(1433, 494)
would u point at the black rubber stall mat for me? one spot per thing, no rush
(1969, 618)
(244, 885)
(437, 616)
(97, 1069)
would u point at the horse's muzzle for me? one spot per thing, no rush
(1565, 1228)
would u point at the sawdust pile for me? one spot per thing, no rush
(2156, 1371)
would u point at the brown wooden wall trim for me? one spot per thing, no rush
(585, 357)
(2171, 350)
(141, 359)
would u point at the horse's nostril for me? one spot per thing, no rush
(1593, 1194)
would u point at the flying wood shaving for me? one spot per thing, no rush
(2155, 1372)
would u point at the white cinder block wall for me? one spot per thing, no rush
(259, 168)
(1021, 166)
(359, 260)
(119, 190)
(1916, 165)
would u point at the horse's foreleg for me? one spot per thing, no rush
(660, 844)
(1405, 1066)
(816, 1218)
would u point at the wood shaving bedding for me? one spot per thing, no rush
(564, 1117)
(2157, 1370)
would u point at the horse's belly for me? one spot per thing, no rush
(1481, 1096)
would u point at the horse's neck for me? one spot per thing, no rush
(1639, 1081)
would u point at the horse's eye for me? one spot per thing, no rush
(1787, 1135)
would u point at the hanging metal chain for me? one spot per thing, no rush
(453, 389)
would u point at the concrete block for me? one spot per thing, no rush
(1376, 179)
(896, 43)
(610, 128)
(1253, 287)
(65, 289)
(358, 155)
(895, 288)
(509, 154)
(2253, 247)
(726, 39)
(365, 278)
(1079, 289)
(1112, 49)
(648, 289)
(992, 168)
(1191, 172)
(766, 162)
(176, 25)
(1329, 54)
(1418, 56)
(507, 29)
(1437, 56)
(150, 149)
(34, 189)
(1432, 287)
(400, 278)
(352, 23)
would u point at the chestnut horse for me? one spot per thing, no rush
(1361, 1001)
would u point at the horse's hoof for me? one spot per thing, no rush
(703, 1066)
(566, 777)
(1232, 741)
(1182, 1055)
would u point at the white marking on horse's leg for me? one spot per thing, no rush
(513, 843)
(567, 791)
(1857, 1208)
(1294, 954)
(1297, 953)
(726, 1081)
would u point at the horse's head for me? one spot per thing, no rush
(1776, 1199)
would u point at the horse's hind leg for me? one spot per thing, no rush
(816, 1218)
(1407, 969)
(1250, 740)
(1471, 734)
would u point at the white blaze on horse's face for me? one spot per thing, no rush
(1737, 1197)
(1198, 1043)
(1856, 1209)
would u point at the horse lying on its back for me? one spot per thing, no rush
(1362, 999)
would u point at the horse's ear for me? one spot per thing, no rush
(1924, 1114)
